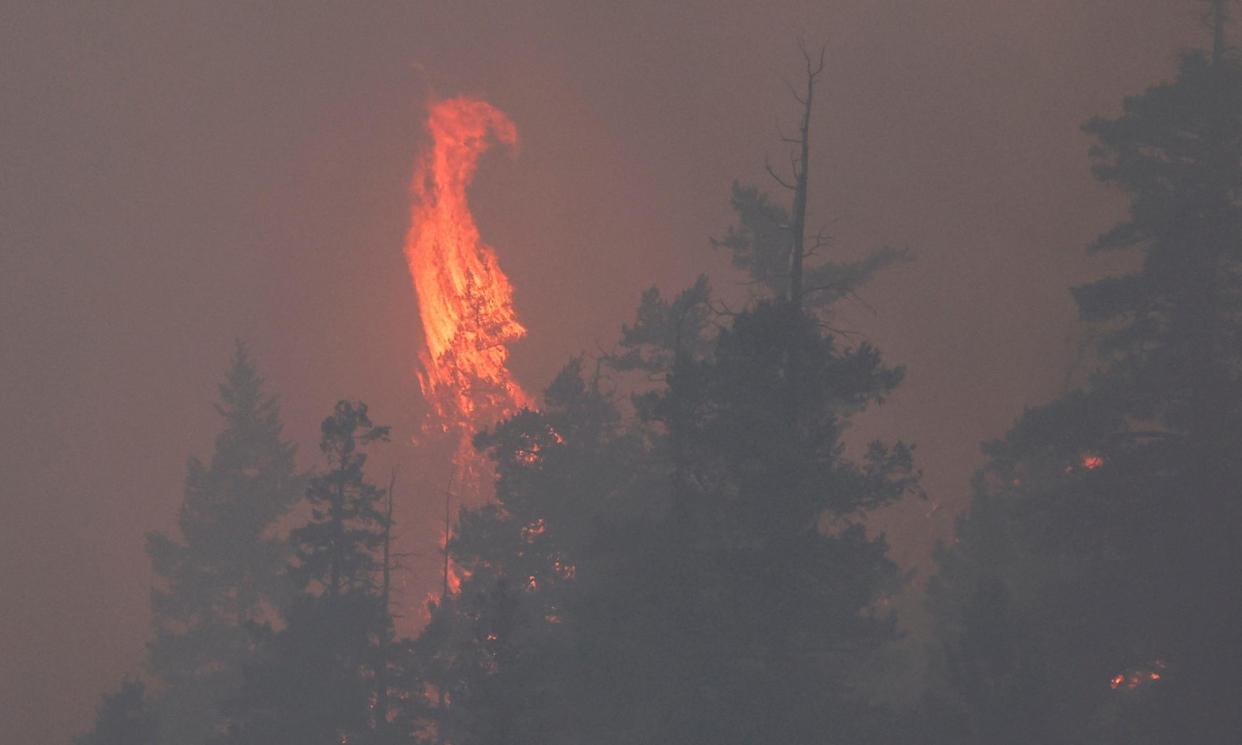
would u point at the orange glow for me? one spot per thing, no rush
(533, 452)
(1135, 677)
(454, 573)
(454, 579)
(533, 530)
(564, 570)
(465, 301)
(1091, 461)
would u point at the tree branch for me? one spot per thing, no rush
(775, 177)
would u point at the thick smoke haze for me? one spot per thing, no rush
(176, 176)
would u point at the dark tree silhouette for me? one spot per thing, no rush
(224, 570)
(771, 243)
(1109, 518)
(690, 569)
(123, 719)
(315, 680)
(337, 550)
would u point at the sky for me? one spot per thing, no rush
(176, 176)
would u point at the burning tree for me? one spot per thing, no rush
(688, 568)
(464, 299)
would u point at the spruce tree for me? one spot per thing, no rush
(224, 568)
(337, 550)
(315, 680)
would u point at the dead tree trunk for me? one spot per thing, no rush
(800, 161)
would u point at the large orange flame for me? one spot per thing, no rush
(464, 299)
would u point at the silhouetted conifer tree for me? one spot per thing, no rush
(1108, 521)
(314, 680)
(123, 719)
(224, 569)
(692, 568)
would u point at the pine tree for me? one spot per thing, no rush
(337, 550)
(223, 571)
(497, 654)
(768, 585)
(315, 680)
(1109, 518)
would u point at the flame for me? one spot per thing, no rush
(465, 301)
(454, 573)
(1135, 677)
(1087, 462)
(533, 530)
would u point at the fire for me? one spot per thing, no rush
(452, 573)
(465, 301)
(1136, 677)
(1087, 462)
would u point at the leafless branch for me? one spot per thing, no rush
(812, 71)
(753, 282)
(723, 311)
(793, 91)
(786, 138)
(776, 177)
(862, 302)
(833, 329)
(823, 288)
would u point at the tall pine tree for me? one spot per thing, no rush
(316, 680)
(224, 569)
(1101, 544)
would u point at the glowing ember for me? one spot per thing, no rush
(564, 570)
(464, 299)
(1091, 461)
(533, 530)
(453, 575)
(1135, 677)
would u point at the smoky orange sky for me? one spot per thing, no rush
(178, 175)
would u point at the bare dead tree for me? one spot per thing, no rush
(799, 162)
(448, 524)
(385, 641)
